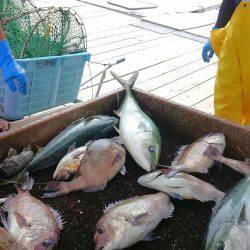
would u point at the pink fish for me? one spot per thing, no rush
(32, 223)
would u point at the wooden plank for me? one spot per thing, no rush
(147, 47)
(205, 105)
(137, 35)
(126, 44)
(179, 83)
(171, 89)
(134, 61)
(196, 94)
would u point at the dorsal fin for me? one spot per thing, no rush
(111, 205)
(178, 155)
(58, 218)
(28, 148)
(72, 147)
(242, 220)
(75, 122)
(12, 152)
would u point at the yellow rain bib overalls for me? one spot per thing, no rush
(232, 87)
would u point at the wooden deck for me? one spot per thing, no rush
(169, 64)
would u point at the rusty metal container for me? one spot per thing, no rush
(179, 125)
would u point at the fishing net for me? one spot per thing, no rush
(38, 32)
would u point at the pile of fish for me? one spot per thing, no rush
(88, 154)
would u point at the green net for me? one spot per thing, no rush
(38, 32)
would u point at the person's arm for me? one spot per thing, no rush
(12, 72)
(226, 11)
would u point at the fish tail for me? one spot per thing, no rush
(22, 179)
(127, 84)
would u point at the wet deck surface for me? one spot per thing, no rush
(81, 211)
(170, 65)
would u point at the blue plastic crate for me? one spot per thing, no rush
(52, 81)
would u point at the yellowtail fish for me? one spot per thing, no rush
(229, 227)
(140, 135)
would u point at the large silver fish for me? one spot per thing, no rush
(128, 222)
(140, 135)
(242, 167)
(191, 158)
(180, 185)
(229, 227)
(32, 223)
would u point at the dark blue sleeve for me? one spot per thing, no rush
(227, 9)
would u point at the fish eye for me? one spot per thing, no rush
(220, 245)
(99, 231)
(48, 243)
(70, 173)
(151, 149)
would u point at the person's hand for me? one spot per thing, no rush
(207, 52)
(12, 72)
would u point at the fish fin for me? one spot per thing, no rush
(170, 173)
(117, 112)
(178, 155)
(39, 149)
(30, 183)
(58, 217)
(12, 152)
(127, 84)
(212, 153)
(77, 121)
(72, 147)
(21, 179)
(176, 196)
(55, 188)
(111, 205)
(151, 237)
(28, 148)
(123, 170)
(95, 189)
(138, 220)
(4, 220)
(242, 220)
(21, 220)
(116, 159)
(117, 129)
(117, 140)
(7, 202)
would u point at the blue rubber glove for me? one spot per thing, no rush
(207, 52)
(12, 72)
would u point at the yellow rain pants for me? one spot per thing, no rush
(232, 87)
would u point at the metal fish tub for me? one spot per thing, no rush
(178, 125)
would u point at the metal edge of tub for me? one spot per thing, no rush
(189, 122)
